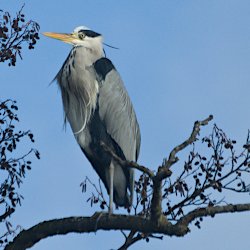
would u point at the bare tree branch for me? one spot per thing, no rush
(212, 211)
(130, 240)
(99, 221)
(14, 33)
(196, 130)
(207, 173)
(156, 205)
(7, 214)
(128, 164)
(104, 221)
(13, 167)
(164, 171)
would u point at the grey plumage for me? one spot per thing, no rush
(98, 108)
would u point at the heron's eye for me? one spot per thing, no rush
(81, 35)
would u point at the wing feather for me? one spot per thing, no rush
(116, 110)
(118, 115)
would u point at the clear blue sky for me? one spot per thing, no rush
(180, 61)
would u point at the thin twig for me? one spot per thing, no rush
(127, 164)
(130, 240)
(193, 137)
(7, 214)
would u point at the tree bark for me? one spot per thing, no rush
(103, 221)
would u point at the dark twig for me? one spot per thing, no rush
(127, 164)
(130, 240)
(196, 129)
(212, 211)
(164, 171)
(7, 214)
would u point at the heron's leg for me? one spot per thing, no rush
(111, 187)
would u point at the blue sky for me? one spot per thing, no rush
(180, 61)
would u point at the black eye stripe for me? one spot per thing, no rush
(89, 33)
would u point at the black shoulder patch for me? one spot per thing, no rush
(103, 66)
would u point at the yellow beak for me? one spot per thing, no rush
(67, 38)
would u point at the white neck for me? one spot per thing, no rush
(94, 49)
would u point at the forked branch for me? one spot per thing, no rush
(165, 172)
(206, 173)
(103, 221)
(127, 164)
(193, 137)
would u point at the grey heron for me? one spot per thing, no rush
(98, 109)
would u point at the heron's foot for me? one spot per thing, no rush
(97, 216)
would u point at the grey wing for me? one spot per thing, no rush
(117, 114)
(116, 110)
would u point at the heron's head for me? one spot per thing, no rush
(81, 36)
